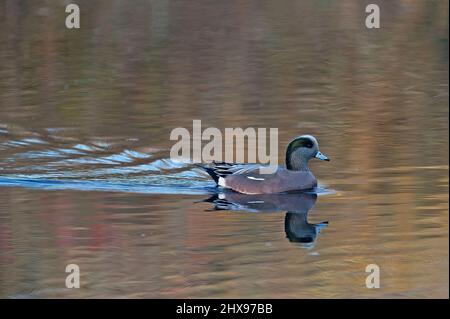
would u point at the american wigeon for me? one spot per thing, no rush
(247, 178)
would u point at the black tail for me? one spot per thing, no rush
(211, 172)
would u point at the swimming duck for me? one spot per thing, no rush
(296, 176)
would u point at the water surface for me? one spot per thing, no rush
(86, 177)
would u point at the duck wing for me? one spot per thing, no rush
(224, 169)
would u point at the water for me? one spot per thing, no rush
(86, 177)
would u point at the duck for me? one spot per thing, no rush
(248, 179)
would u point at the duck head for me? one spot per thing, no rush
(300, 150)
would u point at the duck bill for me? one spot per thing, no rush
(322, 157)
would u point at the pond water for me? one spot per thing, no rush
(86, 175)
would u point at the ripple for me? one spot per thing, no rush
(53, 162)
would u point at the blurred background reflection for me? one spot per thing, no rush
(85, 118)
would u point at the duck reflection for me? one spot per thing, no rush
(296, 205)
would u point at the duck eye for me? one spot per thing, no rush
(307, 143)
(304, 142)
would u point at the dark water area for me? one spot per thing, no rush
(85, 169)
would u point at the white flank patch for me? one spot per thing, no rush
(255, 178)
(221, 182)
